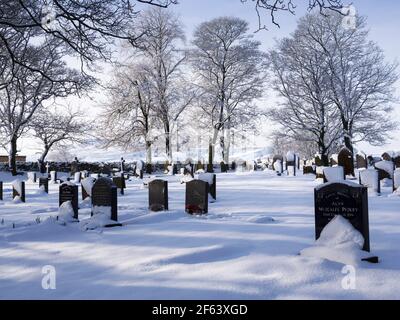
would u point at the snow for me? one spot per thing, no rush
(247, 247)
(339, 242)
(207, 177)
(369, 178)
(397, 178)
(334, 174)
(88, 183)
(278, 166)
(77, 177)
(66, 212)
(386, 166)
(31, 176)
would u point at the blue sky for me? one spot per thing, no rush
(382, 18)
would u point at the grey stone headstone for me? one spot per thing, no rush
(104, 194)
(349, 201)
(69, 192)
(196, 200)
(158, 195)
(120, 183)
(44, 182)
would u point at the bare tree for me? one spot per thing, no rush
(85, 29)
(161, 48)
(128, 117)
(361, 82)
(25, 91)
(301, 80)
(272, 7)
(57, 129)
(231, 71)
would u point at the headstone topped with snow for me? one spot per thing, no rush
(44, 184)
(87, 185)
(361, 161)
(370, 178)
(396, 161)
(120, 183)
(158, 195)
(387, 156)
(277, 163)
(196, 201)
(211, 179)
(333, 174)
(347, 199)
(77, 177)
(345, 159)
(53, 176)
(291, 163)
(18, 190)
(104, 194)
(385, 169)
(68, 191)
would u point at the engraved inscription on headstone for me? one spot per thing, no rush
(104, 194)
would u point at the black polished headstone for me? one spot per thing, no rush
(120, 183)
(104, 194)
(349, 201)
(196, 200)
(69, 192)
(1, 190)
(158, 195)
(44, 182)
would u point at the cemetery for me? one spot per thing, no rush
(197, 169)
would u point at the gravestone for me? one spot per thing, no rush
(120, 183)
(308, 170)
(53, 176)
(158, 195)
(196, 199)
(21, 194)
(333, 174)
(122, 165)
(149, 168)
(370, 178)
(44, 182)
(86, 184)
(233, 165)
(74, 166)
(69, 192)
(345, 159)
(104, 194)
(349, 200)
(223, 167)
(291, 162)
(77, 177)
(318, 162)
(386, 156)
(1, 190)
(275, 159)
(361, 161)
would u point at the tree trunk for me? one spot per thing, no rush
(168, 149)
(12, 159)
(227, 145)
(148, 152)
(41, 160)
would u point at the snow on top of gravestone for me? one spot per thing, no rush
(334, 174)
(87, 184)
(290, 156)
(385, 165)
(207, 177)
(369, 177)
(16, 184)
(335, 157)
(346, 182)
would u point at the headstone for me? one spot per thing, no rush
(74, 166)
(370, 178)
(233, 166)
(120, 183)
(1, 190)
(77, 177)
(291, 163)
(44, 182)
(53, 176)
(19, 190)
(333, 174)
(104, 194)
(158, 195)
(361, 161)
(308, 170)
(386, 156)
(318, 162)
(349, 200)
(345, 159)
(69, 192)
(87, 186)
(149, 168)
(396, 180)
(196, 200)
(223, 167)
(174, 169)
(275, 159)
(32, 176)
(122, 165)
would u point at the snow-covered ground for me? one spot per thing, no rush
(247, 247)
